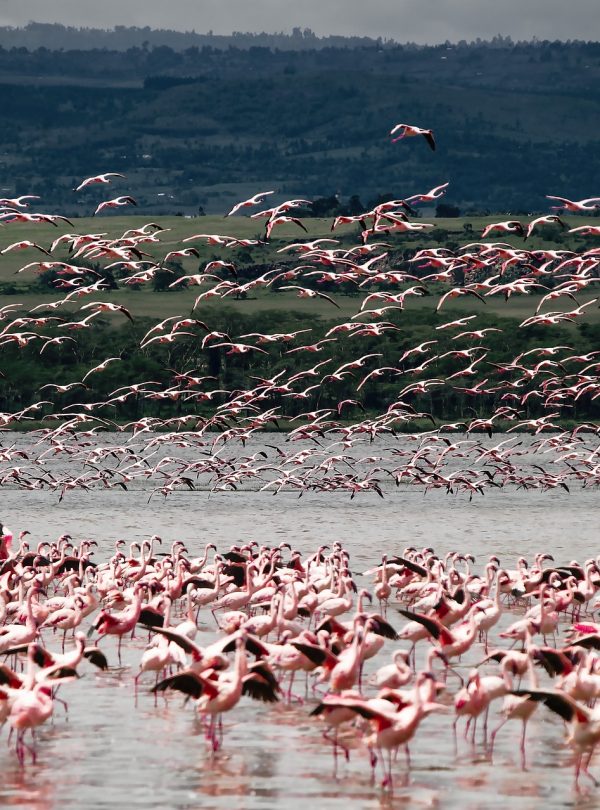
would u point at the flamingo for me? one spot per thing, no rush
(583, 722)
(391, 729)
(410, 131)
(213, 696)
(394, 675)
(98, 178)
(117, 202)
(576, 206)
(257, 199)
(12, 635)
(118, 624)
(516, 707)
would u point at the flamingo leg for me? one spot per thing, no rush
(485, 723)
(387, 779)
(373, 764)
(493, 735)
(335, 752)
(523, 737)
(577, 771)
(455, 736)
(19, 748)
(586, 766)
(64, 704)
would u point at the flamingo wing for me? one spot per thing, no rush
(412, 566)
(187, 682)
(553, 661)
(558, 702)
(261, 684)
(591, 641)
(186, 644)
(430, 139)
(432, 626)
(317, 655)
(378, 625)
(96, 657)
(322, 295)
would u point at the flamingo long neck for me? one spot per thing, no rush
(505, 671)
(497, 591)
(135, 608)
(143, 563)
(399, 660)
(240, 664)
(570, 592)
(280, 620)
(267, 576)
(250, 585)
(176, 585)
(29, 679)
(217, 583)
(191, 614)
(472, 628)
(359, 601)
(357, 649)
(205, 557)
(588, 576)
(60, 561)
(30, 621)
(73, 658)
(294, 606)
(384, 571)
(543, 608)
(167, 613)
(430, 656)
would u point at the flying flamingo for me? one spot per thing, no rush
(98, 178)
(305, 292)
(410, 131)
(577, 207)
(430, 196)
(257, 199)
(116, 203)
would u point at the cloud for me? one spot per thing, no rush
(404, 20)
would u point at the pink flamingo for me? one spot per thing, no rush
(118, 624)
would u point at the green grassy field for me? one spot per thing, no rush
(145, 302)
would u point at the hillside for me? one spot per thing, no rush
(203, 126)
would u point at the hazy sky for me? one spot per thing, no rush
(403, 20)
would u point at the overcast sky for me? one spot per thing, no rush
(403, 20)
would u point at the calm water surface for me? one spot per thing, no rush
(108, 751)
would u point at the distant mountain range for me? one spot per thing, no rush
(198, 121)
(55, 36)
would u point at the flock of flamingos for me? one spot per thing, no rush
(300, 627)
(293, 626)
(327, 448)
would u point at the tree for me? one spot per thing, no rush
(165, 276)
(326, 206)
(446, 210)
(355, 206)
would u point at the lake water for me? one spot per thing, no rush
(110, 752)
